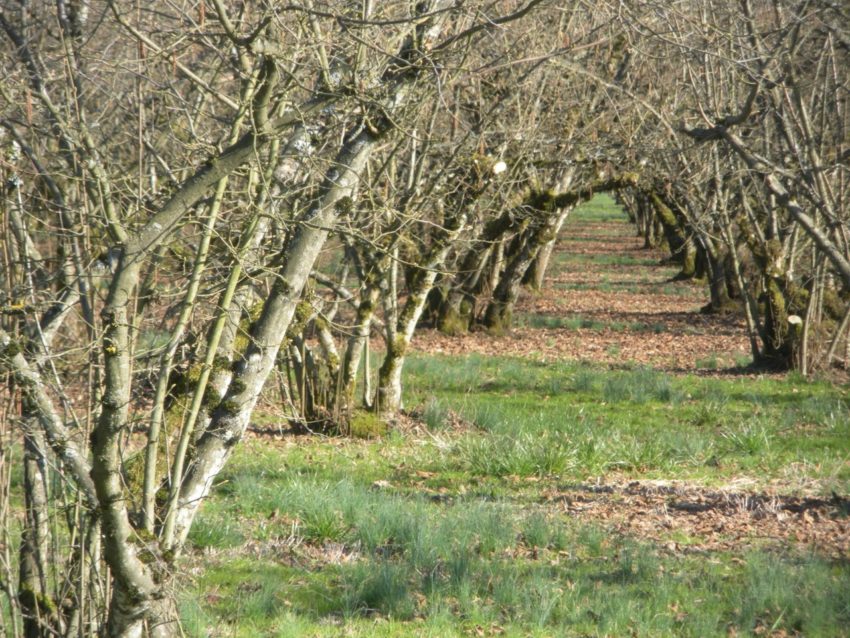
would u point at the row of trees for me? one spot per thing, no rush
(203, 197)
(755, 200)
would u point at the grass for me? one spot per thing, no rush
(579, 322)
(401, 563)
(627, 409)
(443, 534)
(457, 529)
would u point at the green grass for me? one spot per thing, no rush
(441, 534)
(400, 562)
(456, 529)
(579, 322)
(602, 208)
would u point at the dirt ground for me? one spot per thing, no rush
(609, 279)
(683, 518)
(672, 335)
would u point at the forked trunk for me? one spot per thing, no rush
(536, 273)
(499, 314)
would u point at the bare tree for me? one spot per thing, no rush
(184, 201)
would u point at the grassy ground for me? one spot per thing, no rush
(529, 498)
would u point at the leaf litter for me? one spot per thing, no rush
(680, 339)
(655, 322)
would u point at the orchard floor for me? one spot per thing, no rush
(609, 300)
(609, 468)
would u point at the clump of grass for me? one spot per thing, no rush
(628, 452)
(640, 386)
(743, 360)
(588, 380)
(776, 594)
(708, 363)
(435, 414)
(385, 590)
(640, 326)
(539, 530)
(215, 531)
(322, 509)
(486, 416)
(711, 413)
(826, 412)
(550, 321)
(260, 599)
(751, 438)
(322, 524)
(194, 618)
(525, 454)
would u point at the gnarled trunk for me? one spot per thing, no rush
(537, 271)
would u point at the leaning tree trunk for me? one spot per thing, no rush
(537, 271)
(230, 418)
(499, 314)
(456, 313)
(673, 233)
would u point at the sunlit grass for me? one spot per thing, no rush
(424, 566)
(456, 528)
(633, 409)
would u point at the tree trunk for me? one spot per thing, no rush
(230, 418)
(357, 344)
(537, 271)
(676, 240)
(779, 335)
(456, 314)
(134, 583)
(718, 277)
(499, 314)
(39, 610)
(388, 398)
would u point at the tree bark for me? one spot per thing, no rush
(456, 313)
(681, 249)
(499, 314)
(388, 398)
(39, 610)
(537, 271)
(357, 343)
(230, 418)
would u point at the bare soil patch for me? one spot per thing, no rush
(686, 518)
(663, 351)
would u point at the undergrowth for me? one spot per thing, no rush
(453, 529)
